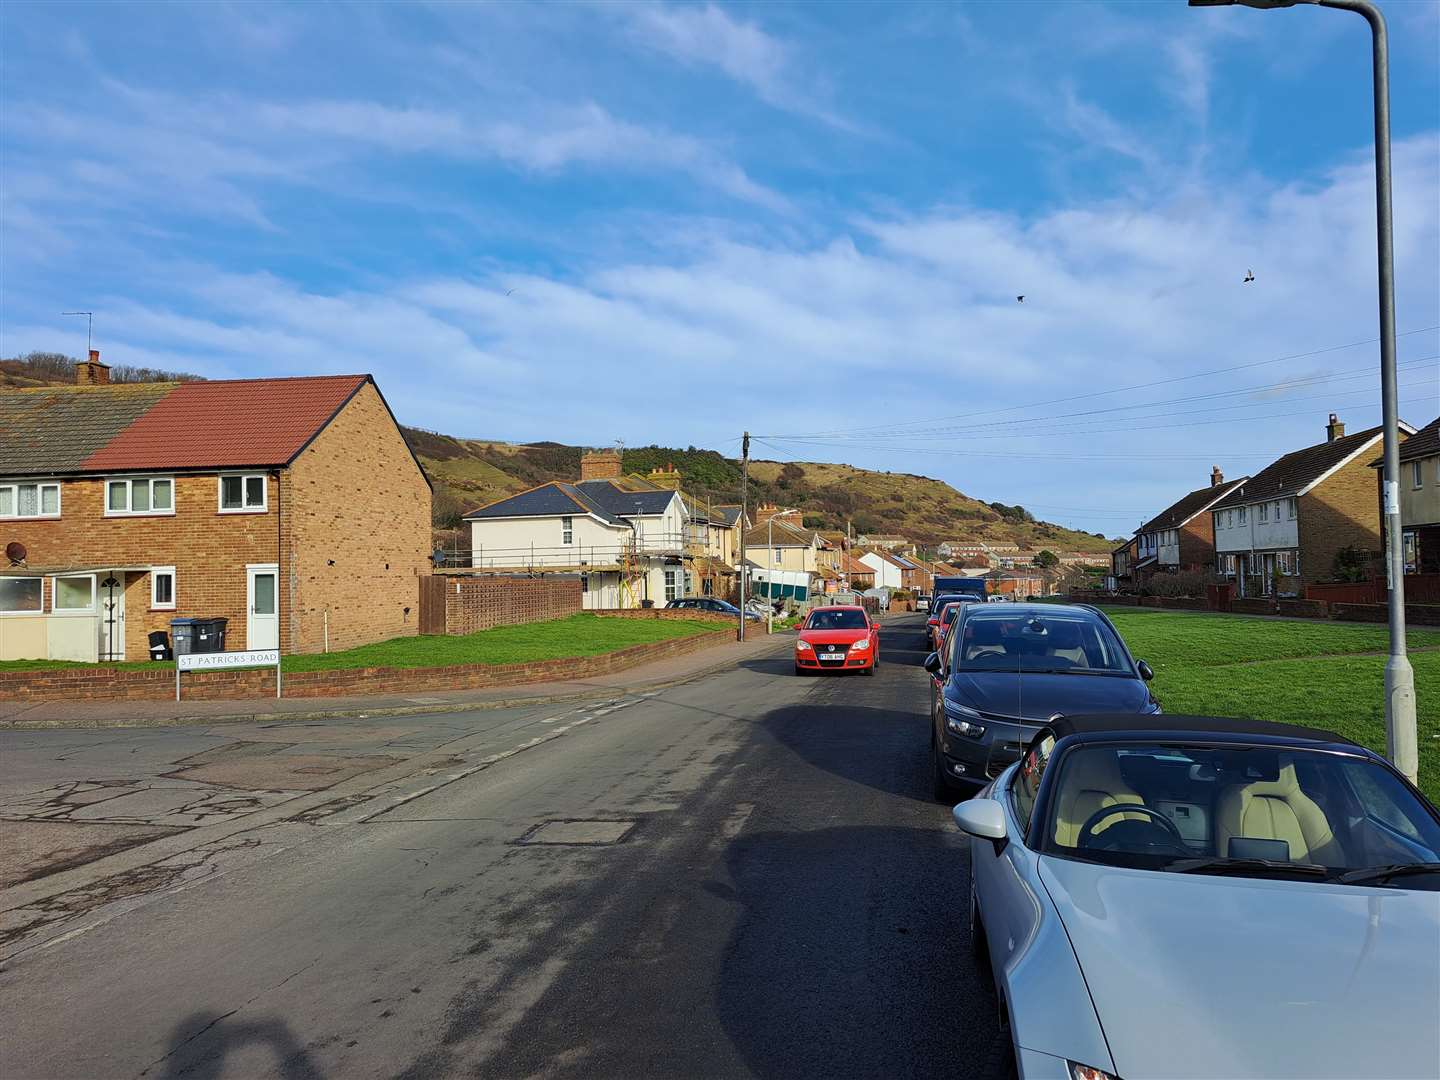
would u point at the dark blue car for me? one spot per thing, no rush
(1008, 670)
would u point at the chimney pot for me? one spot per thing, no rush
(92, 372)
(1335, 429)
(1216, 476)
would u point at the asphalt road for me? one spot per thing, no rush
(741, 876)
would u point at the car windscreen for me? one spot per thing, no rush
(1242, 810)
(1080, 644)
(836, 620)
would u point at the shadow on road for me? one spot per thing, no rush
(851, 957)
(202, 1041)
(885, 749)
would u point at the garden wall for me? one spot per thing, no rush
(478, 603)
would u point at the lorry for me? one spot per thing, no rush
(958, 586)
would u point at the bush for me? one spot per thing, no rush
(1183, 583)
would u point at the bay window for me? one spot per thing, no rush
(21, 595)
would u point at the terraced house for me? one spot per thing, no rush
(292, 508)
(1285, 527)
(1182, 536)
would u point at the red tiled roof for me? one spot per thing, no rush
(239, 422)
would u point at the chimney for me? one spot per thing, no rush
(1335, 429)
(1216, 476)
(600, 465)
(92, 372)
(668, 477)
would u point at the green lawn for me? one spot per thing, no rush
(577, 635)
(1292, 672)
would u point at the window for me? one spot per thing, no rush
(75, 593)
(1229, 518)
(242, 494)
(1285, 562)
(777, 556)
(1242, 515)
(27, 500)
(1417, 478)
(20, 595)
(672, 587)
(1026, 783)
(146, 495)
(1264, 511)
(1290, 508)
(567, 530)
(162, 588)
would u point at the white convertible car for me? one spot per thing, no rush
(1187, 896)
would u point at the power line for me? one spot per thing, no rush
(1115, 390)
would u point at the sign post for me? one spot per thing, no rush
(219, 661)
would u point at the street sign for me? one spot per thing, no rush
(209, 661)
(219, 661)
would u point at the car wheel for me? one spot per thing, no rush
(869, 671)
(799, 670)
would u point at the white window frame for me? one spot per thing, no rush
(1417, 475)
(14, 487)
(672, 585)
(26, 614)
(567, 529)
(1242, 515)
(1290, 508)
(130, 482)
(55, 607)
(155, 573)
(1264, 511)
(242, 508)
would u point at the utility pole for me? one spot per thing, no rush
(1401, 736)
(744, 502)
(770, 573)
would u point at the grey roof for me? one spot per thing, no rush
(1181, 511)
(607, 502)
(1423, 444)
(729, 514)
(55, 429)
(1295, 471)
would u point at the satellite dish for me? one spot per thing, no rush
(15, 552)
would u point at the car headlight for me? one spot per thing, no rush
(1088, 1072)
(962, 720)
(863, 643)
(803, 646)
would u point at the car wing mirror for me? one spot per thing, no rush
(932, 663)
(984, 818)
(1146, 671)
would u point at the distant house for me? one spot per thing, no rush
(629, 543)
(1182, 536)
(292, 508)
(860, 576)
(888, 571)
(789, 556)
(1419, 498)
(1282, 529)
(1122, 563)
(890, 542)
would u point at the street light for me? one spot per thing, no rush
(1401, 741)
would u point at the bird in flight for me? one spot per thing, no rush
(1249, 276)
(1019, 299)
(509, 291)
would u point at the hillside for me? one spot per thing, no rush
(471, 472)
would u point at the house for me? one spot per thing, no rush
(902, 545)
(628, 542)
(888, 571)
(1182, 536)
(1419, 498)
(1122, 563)
(1017, 584)
(292, 508)
(789, 556)
(915, 573)
(1282, 529)
(859, 576)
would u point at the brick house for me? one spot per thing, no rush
(1419, 498)
(293, 508)
(1182, 536)
(1281, 529)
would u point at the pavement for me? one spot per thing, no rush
(736, 875)
(100, 714)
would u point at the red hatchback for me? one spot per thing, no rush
(838, 638)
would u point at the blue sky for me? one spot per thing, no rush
(668, 223)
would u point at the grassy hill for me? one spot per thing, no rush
(471, 472)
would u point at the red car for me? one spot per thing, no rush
(838, 638)
(939, 622)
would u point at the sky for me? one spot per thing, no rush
(671, 223)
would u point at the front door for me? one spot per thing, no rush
(262, 591)
(110, 593)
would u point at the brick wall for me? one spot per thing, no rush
(1340, 512)
(1197, 543)
(478, 603)
(111, 684)
(357, 530)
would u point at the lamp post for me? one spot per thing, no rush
(1401, 740)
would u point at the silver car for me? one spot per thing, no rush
(1203, 897)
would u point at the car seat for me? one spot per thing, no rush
(1276, 810)
(983, 638)
(1092, 780)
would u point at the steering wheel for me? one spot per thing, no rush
(1087, 831)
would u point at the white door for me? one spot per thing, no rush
(110, 594)
(262, 624)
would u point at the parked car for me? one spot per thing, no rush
(922, 602)
(998, 599)
(938, 625)
(842, 637)
(1206, 897)
(710, 603)
(1004, 674)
